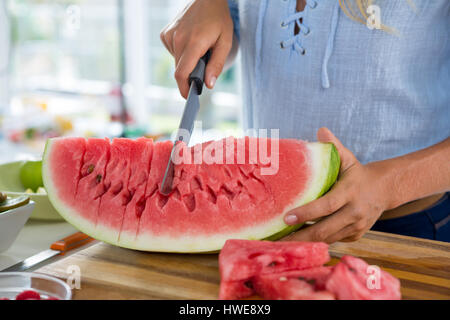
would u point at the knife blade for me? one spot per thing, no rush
(60, 247)
(196, 81)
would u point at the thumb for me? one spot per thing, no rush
(219, 54)
(347, 157)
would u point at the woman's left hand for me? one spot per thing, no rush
(351, 207)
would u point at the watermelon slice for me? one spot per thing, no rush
(110, 190)
(307, 284)
(242, 260)
(352, 279)
(295, 271)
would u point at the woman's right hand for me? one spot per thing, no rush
(202, 25)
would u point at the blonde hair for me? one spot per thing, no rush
(357, 11)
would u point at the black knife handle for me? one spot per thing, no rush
(198, 75)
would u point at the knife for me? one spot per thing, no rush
(60, 247)
(196, 80)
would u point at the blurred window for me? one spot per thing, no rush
(69, 58)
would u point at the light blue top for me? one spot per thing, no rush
(383, 95)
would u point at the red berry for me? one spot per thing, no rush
(28, 295)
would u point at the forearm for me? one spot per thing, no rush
(416, 175)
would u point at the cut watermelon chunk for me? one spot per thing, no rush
(110, 191)
(352, 279)
(295, 271)
(308, 284)
(241, 260)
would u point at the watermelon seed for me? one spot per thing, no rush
(248, 284)
(90, 169)
(283, 279)
(98, 178)
(311, 282)
(272, 264)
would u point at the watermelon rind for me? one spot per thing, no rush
(325, 163)
(334, 165)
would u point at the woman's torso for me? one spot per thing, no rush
(383, 95)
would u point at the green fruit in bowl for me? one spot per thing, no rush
(11, 186)
(31, 175)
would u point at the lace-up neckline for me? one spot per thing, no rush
(297, 18)
(295, 41)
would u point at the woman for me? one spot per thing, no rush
(310, 64)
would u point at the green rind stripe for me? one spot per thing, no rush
(333, 171)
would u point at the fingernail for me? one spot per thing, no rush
(212, 82)
(291, 219)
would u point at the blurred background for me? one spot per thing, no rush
(95, 68)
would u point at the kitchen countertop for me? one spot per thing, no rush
(36, 236)
(109, 272)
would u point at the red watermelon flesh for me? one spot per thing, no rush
(350, 281)
(154, 202)
(91, 173)
(316, 276)
(110, 190)
(234, 290)
(117, 195)
(307, 284)
(241, 260)
(137, 185)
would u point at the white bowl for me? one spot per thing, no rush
(11, 222)
(13, 283)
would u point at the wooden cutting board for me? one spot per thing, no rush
(109, 272)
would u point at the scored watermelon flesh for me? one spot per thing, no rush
(137, 185)
(307, 284)
(110, 190)
(90, 170)
(241, 260)
(116, 195)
